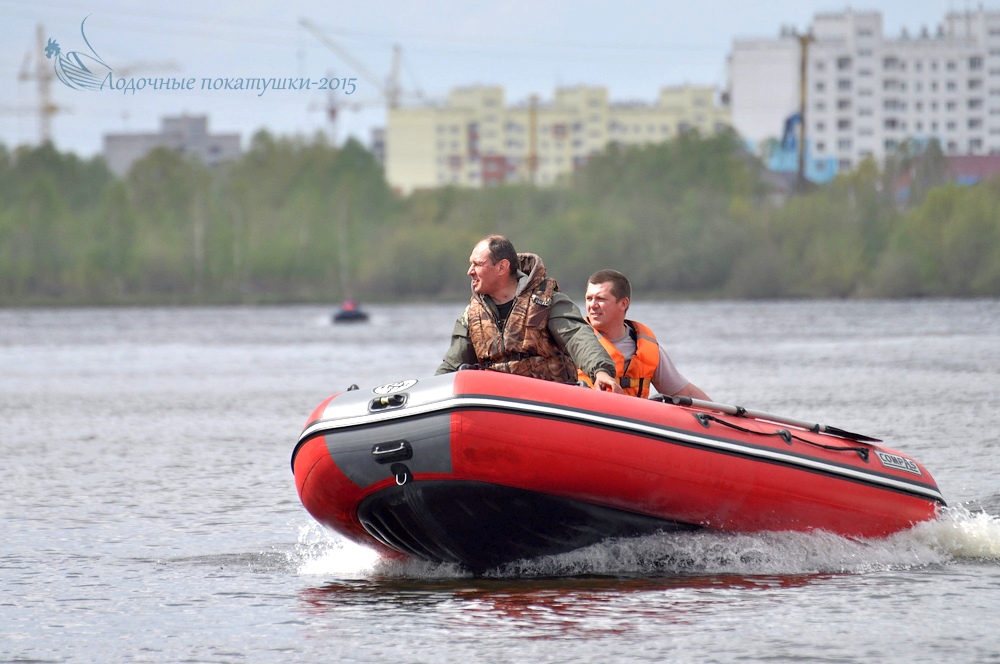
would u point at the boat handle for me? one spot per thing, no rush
(391, 451)
(387, 402)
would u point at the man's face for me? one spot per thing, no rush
(606, 313)
(487, 278)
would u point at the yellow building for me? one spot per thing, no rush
(474, 140)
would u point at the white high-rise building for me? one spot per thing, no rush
(866, 94)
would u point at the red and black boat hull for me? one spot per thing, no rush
(482, 468)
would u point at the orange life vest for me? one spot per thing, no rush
(636, 375)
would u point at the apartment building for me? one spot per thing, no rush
(187, 134)
(867, 94)
(476, 140)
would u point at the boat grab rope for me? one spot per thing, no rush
(740, 411)
(784, 434)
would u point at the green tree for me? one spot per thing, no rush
(168, 193)
(33, 243)
(931, 171)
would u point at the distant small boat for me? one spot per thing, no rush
(350, 313)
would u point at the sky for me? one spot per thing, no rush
(631, 47)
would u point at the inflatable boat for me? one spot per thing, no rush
(483, 468)
(349, 312)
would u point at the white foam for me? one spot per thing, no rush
(713, 553)
(961, 534)
(322, 553)
(958, 534)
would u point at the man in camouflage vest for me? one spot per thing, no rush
(519, 322)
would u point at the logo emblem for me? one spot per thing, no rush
(898, 462)
(398, 386)
(76, 69)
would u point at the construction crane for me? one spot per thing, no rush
(804, 41)
(38, 69)
(43, 76)
(388, 89)
(334, 105)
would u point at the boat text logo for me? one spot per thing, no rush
(86, 70)
(398, 386)
(898, 462)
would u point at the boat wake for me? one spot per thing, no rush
(959, 535)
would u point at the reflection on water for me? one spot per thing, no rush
(544, 606)
(657, 587)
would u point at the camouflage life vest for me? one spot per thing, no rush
(522, 344)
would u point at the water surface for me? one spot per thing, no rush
(149, 512)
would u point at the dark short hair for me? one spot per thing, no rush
(620, 287)
(501, 248)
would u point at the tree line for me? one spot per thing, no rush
(299, 220)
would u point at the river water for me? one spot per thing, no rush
(149, 513)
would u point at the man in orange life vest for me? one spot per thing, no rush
(519, 322)
(640, 361)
